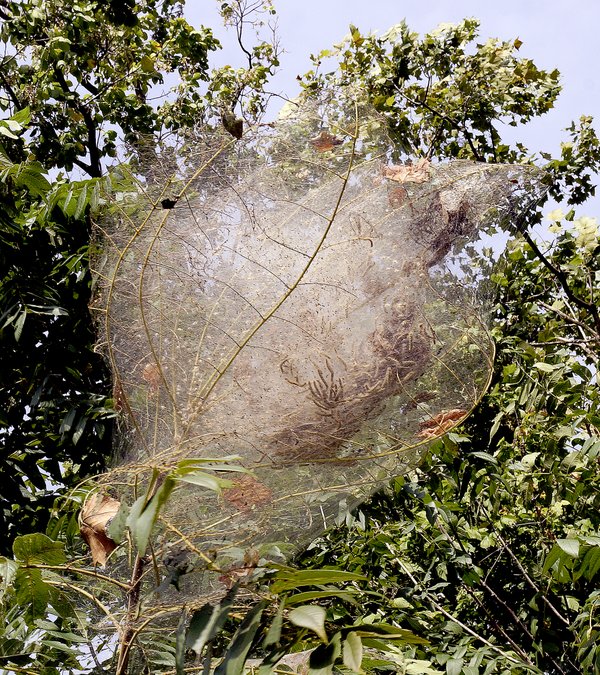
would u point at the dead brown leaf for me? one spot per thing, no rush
(240, 573)
(408, 173)
(95, 516)
(151, 375)
(441, 423)
(396, 196)
(247, 493)
(325, 141)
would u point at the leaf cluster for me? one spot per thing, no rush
(444, 94)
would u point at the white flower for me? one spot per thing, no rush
(587, 232)
(557, 214)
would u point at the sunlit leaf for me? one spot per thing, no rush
(352, 652)
(311, 617)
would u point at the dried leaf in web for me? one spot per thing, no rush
(325, 141)
(409, 173)
(94, 519)
(308, 306)
(441, 423)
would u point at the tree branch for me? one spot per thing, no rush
(447, 614)
(437, 113)
(94, 169)
(563, 281)
(529, 580)
(133, 603)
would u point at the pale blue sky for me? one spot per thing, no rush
(555, 34)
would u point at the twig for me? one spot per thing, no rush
(497, 626)
(563, 281)
(530, 581)
(437, 113)
(77, 570)
(89, 596)
(466, 628)
(133, 603)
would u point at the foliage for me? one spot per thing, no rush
(89, 72)
(447, 96)
(78, 89)
(444, 95)
(493, 549)
(54, 417)
(485, 559)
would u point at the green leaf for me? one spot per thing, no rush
(116, 527)
(203, 479)
(352, 652)
(8, 570)
(207, 621)
(5, 131)
(569, 546)
(235, 656)
(454, 666)
(274, 633)
(298, 598)
(322, 658)
(544, 367)
(32, 593)
(144, 513)
(591, 563)
(210, 463)
(19, 323)
(23, 116)
(147, 64)
(555, 554)
(485, 456)
(388, 632)
(311, 617)
(31, 176)
(38, 549)
(82, 202)
(66, 636)
(95, 197)
(180, 644)
(286, 580)
(55, 644)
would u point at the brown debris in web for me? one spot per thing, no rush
(408, 173)
(247, 493)
(397, 196)
(151, 375)
(441, 423)
(325, 141)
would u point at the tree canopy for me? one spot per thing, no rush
(483, 559)
(82, 86)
